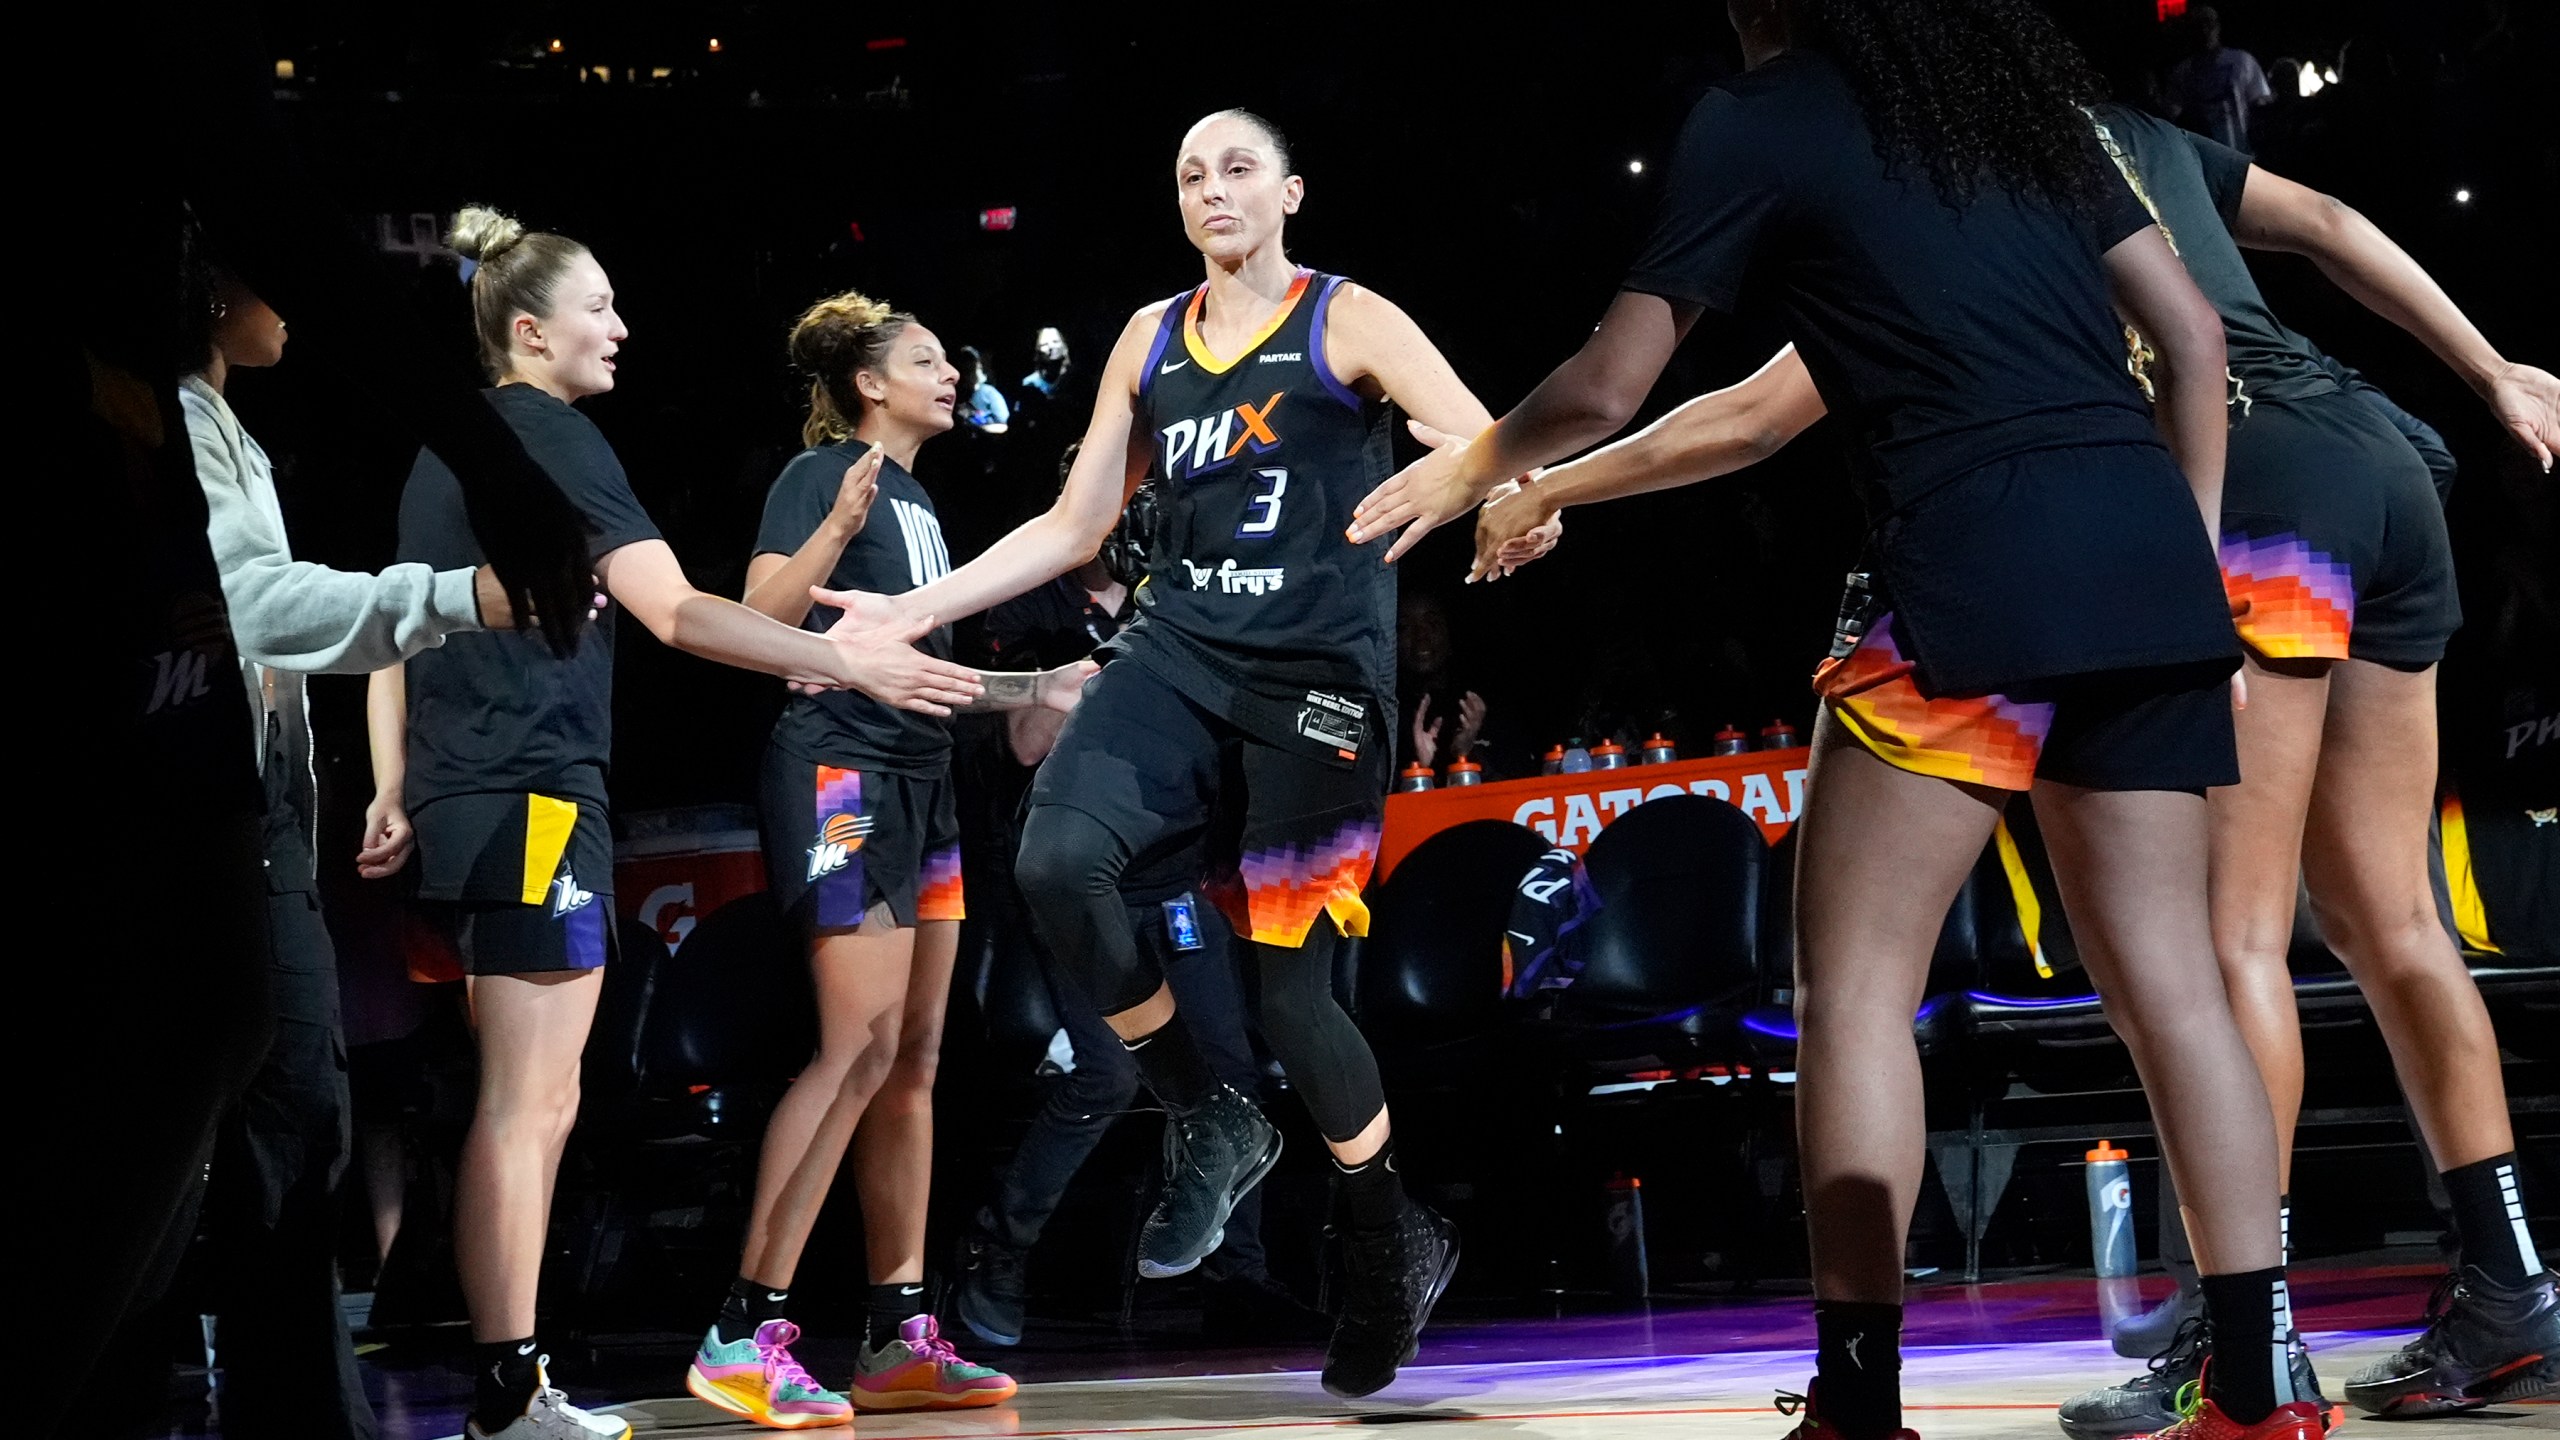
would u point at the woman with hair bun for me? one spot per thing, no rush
(862, 846)
(491, 754)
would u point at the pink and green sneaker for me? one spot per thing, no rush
(758, 1378)
(920, 1371)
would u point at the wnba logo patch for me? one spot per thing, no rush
(838, 837)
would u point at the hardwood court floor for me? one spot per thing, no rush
(1960, 1392)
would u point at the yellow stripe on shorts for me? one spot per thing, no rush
(2470, 915)
(2022, 894)
(548, 824)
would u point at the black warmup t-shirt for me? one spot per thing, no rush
(497, 710)
(1255, 606)
(2195, 185)
(900, 549)
(2028, 522)
(1943, 338)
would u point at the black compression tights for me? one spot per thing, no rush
(1069, 871)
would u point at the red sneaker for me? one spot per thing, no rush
(1813, 1427)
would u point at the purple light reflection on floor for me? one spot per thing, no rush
(423, 1396)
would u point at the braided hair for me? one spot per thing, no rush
(1971, 92)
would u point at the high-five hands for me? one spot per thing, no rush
(875, 645)
(2527, 401)
(1434, 490)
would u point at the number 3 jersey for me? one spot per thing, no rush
(1255, 605)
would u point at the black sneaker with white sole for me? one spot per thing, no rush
(1212, 1156)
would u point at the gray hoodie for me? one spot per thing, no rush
(292, 618)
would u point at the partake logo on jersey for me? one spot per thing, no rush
(568, 897)
(1197, 446)
(1280, 357)
(842, 835)
(1236, 580)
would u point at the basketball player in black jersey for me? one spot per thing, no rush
(1248, 702)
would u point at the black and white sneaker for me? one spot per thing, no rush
(1212, 1156)
(1390, 1283)
(2147, 1403)
(2484, 1342)
(990, 1293)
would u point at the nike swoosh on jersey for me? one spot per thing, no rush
(1169, 368)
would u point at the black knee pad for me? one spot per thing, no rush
(1328, 1059)
(1069, 870)
(1067, 857)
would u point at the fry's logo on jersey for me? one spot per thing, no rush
(837, 840)
(567, 895)
(1196, 447)
(1234, 581)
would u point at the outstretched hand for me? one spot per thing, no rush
(1061, 688)
(882, 662)
(1420, 498)
(1516, 525)
(2527, 401)
(854, 493)
(863, 610)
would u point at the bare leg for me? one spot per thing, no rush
(2131, 867)
(893, 1147)
(1144, 1018)
(2365, 856)
(861, 977)
(1881, 854)
(2257, 858)
(532, 1029)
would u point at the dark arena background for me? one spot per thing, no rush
(1631, 1205)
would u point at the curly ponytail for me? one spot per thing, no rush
(831, 340)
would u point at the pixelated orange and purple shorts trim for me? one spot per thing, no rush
(938, 887)
(1980, 739)
(2288, 601)
(1278, 890)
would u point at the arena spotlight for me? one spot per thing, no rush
(2307, 81)
(2462, 196)
(1635, 167)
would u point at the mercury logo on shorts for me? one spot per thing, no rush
(568, 896)
(837, 840)
(1198, 446)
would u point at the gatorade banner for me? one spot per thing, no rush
(1567, 810)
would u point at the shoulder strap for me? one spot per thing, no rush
(1166, 328)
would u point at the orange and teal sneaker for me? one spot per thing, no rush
(757, 1378)
(920, 1371)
